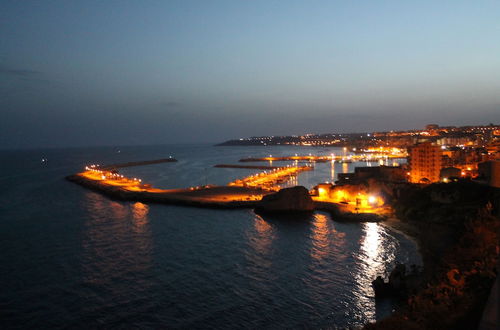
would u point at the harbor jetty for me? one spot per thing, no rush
(270, 180)
(206, 196)
(139, 163)
(247, 192)
(256, 167)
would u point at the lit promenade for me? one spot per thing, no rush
(106, 177)
(118, 186)
(269, 180)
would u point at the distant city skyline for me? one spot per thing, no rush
(123, 72)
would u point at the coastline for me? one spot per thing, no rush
(460, 252)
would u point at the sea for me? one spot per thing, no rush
(73, 258)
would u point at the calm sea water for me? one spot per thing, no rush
(72, 258)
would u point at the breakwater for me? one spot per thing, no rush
(209, 196)
(243, 193)
(225, 197)
(256, 167)
(139, 163)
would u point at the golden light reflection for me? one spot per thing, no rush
(290, 181)
(118, 209)
(112, 247)
(264, 235)
(260, 239)
(345, 167)
(140, 214)
(325, 238)
(320, 237)
(261, 226)
(332, 171)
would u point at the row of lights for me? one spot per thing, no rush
(106, 174)
(256, 177)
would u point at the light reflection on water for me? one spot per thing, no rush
(260, 239)
(83, 260)
(377, 252)
(345, 168)
(117, 244)
(331, 263)
(324, 237)
(140, 216)
(332, 171)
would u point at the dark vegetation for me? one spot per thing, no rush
(457, 228)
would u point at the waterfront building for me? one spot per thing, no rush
(425, 163)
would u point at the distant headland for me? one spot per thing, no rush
(431, 132)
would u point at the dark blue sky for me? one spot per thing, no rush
(142, 72)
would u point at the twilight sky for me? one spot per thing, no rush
(88, 72)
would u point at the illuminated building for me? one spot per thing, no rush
(323, 190)
(425, 163)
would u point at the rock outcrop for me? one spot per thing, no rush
(401, 283)
(287, 200)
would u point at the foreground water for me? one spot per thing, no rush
(74, 258)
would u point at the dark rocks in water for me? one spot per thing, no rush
(400, 283)
(287, 200)
(382, 288)
(397, 278)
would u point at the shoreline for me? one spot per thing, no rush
(458, 244)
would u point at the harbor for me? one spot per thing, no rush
(245, 192)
